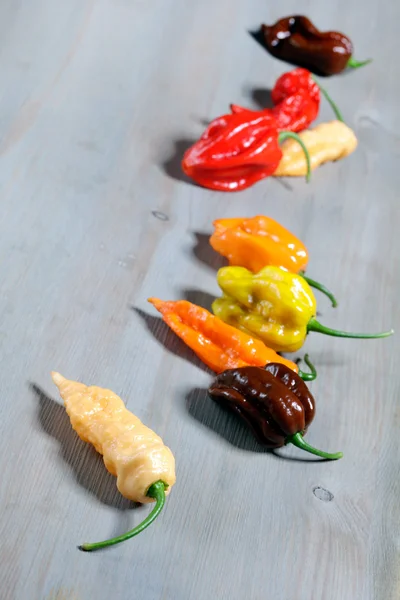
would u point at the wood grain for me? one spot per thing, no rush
(98, 102)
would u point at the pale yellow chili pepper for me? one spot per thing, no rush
(133, 453)
(325, 142)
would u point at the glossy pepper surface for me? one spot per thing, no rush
(260, 241)
(295, 39)
(256, 242)
(133, 453)
(236, 151)
(274, 305)
(296, 97)
(274, 402)
(216, 343)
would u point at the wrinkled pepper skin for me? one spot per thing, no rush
(236, 151)
(296, 40)
(275, 403)
(256, 242)
(219, 345)
(132, 452)
(326, 142)
(297, 100)
(273, 305)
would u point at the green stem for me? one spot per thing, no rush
(157, 491)
(314, 325)
(321, 288)
(298, 440)
(308, 376)
(333, 104)
(355, 64)
(284, 135)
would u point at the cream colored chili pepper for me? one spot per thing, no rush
(131, 451)
(325, 142)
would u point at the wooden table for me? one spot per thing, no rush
(98, 102)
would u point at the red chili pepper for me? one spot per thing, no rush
(292, 82)
(297, 97)
(236, 151)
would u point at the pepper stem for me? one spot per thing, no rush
(314, 325)
(321, 288)
(157, 491)
(355, 64)
(308, 376)
(333, 104)
(284, 135)
(298, 440)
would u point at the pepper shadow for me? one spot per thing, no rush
(198, 297)
(282, 181)
(229, 426)
(203, 251)
(201, 120)
(258, 37)
(86, 464)
(172, 166)
(261, 97)
(168, 339)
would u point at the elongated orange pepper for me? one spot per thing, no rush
(259, 242)
(219, 345)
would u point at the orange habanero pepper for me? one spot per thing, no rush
(259, 242)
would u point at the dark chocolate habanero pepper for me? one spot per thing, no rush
(274, 402)
(296, 40)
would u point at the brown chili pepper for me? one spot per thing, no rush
(296, 40)
(274, 402)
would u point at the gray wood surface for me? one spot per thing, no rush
(98, 101)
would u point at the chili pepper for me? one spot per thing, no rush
(274, 305)
(217, 344)
(236, 151)
(260, 241)
(275, 403)
(325, 142)
(144, 467)
(296, 96)
(296, 40)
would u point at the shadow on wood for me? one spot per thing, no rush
(198, 297)
(167, 338)
(258, 36)
(85, 462)
(226, 424)
(205, 253)
(261, 97)
(172, 166)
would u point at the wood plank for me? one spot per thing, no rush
(99, 101)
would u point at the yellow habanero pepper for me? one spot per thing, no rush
(274, 305)
(325, 142)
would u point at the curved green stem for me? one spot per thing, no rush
(321, 288)
(313, 371)
(157, 491)
(284, 135)
(355, 64)
(314, 325)
(333, 104)
(298, 440)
